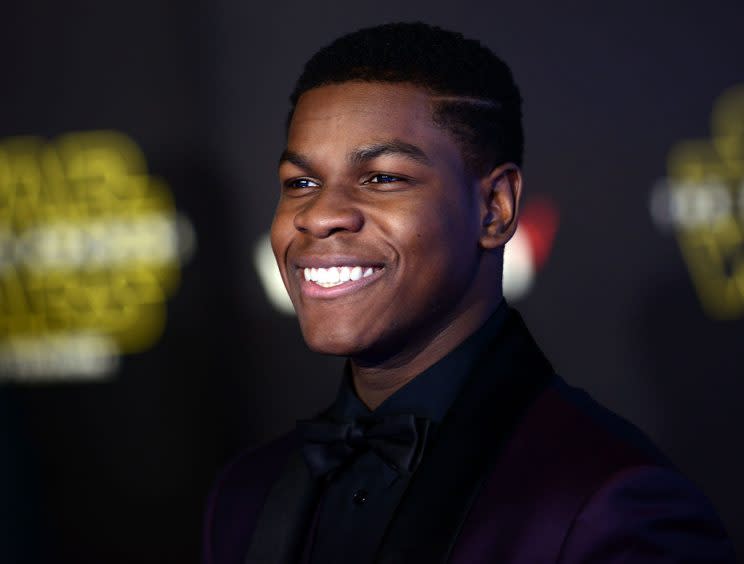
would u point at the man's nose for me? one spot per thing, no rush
(330, 211)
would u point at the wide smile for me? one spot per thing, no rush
(338, 280)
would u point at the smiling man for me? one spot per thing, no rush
(451, 438)
(390, 247)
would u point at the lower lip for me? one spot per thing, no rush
(312, 290)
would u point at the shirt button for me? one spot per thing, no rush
(359, 497)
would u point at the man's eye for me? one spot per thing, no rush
(384, 179)
(299, 183)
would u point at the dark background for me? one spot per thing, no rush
(117, 472)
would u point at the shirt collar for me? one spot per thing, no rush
(431, 393)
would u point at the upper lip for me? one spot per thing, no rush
(327, 261)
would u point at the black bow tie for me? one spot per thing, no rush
(397, 439)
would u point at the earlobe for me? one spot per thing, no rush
(501, 191)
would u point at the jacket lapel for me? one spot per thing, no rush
(507, 377)
(282, 529)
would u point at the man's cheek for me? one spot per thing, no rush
(280, 237)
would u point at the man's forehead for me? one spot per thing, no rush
(362, 120)
(364, 92)
(359, 118)
(365, 98)
(388, 104)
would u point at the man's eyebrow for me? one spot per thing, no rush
(393, 147)
(296, 159)
(364, 154)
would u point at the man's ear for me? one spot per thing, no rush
(501, 191)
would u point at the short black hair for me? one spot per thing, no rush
(484, 109)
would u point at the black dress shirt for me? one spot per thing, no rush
(359, 499)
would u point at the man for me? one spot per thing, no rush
(451, 439)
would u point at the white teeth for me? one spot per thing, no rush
(335, 275)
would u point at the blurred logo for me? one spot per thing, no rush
(524, 255)
(701, 201)
(529, 249)
(90, 249)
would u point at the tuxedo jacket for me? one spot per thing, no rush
(523, 469)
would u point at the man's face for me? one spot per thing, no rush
(377, 226)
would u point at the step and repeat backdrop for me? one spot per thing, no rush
(145, 336)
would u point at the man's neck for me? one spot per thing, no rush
(374, 383)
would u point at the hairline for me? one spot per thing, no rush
(438, 100)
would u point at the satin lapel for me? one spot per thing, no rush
(505, 380)
(282, 528)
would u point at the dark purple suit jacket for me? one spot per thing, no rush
(523, 469)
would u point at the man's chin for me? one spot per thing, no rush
(330, 338)
(332, 346)
(362, 347)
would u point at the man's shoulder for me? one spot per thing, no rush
(569, 428)
(567, 444)
(238, 495)
(570, 444)
(579, 477)
(556, 424)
